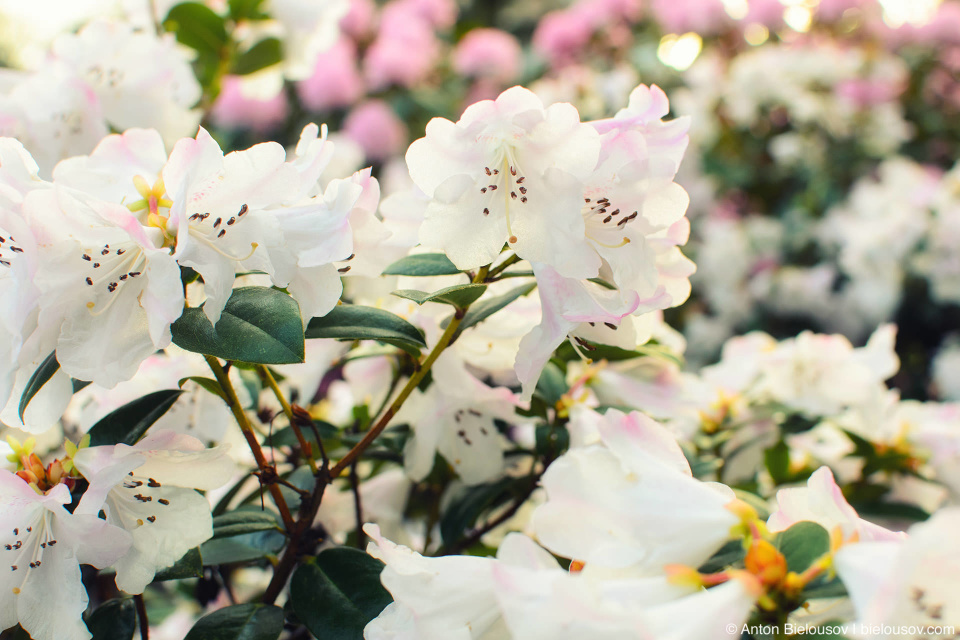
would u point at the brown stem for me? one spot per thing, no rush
(357, 506)
(142, 617)
(305, 447)
(412, 383)
(266, 470)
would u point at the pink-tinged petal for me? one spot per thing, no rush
(637, 438)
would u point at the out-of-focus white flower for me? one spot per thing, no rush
(821, 501)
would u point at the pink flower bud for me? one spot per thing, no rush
(488, 53)
(335, 81)
(377, 129)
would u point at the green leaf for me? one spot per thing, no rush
(466, 508)
(355, 322)
(552, 384)
(802, 544)
(239, 622)
(459, 296)
(39, 378)
(130, 422)
(258, 324)
(198, 27)
(242, 548)
(483, 310)
(338, 593)
(243, 521)
(189, 566)
(113, 620)
(265, 53)
(729, 554)
(422, 264)
(777, 461)
(209, 384)
(246, 10)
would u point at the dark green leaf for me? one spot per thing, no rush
(466, 508)
(729, 554)
(79, 385)
(243, 521)
(777, 461)
(130, 422)
(239, 622)
(258, 324)
(39, 378)
(209, 384)
(265, 53)
(422, 264)
(551, 440)
(614, 354)
(198, 27)
(552, 384)
(246, 10)
(355, 322)
(338, 593)
(189, 566)
(483, 310)
(802, 544)
(242, 548)
(113, 620)
(460, 296)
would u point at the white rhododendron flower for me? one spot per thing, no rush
(148, 490)
(509, 171)
(42, 545)
(822, 502)
(632, 503)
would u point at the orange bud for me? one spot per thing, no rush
(764, 561)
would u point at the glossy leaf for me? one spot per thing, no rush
(198, 27)
(130, 422)
(258, 324)
(243, 521)
(239, 622)
(802, 544)
(486, 308)
(263, 54)
(422, 264)
(338, 593)
(355, 322)
(242, 548)
(189, 566)
(39, 378)
(113, 620)
(460, 296)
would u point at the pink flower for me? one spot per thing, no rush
(561, 36)
(336, 79)
(488, 53)
(235, 110)
(680, 16)
(377, 129)
(360, 19)
(440, 14)
(868, 92)
(404, 52)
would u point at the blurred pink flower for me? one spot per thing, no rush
(561, 36)
(680, 16)
(864, 92)
(404, 52)
(488, 53)
(336, 80)
(441, 14)
(234, 110)
(769, 13)
(360, 20)
(377, 129)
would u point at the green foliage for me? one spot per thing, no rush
(336, 594)
(356, 322)
(242, 548)
(259, 325)
(239, 622)
(802, 544)
(483, 310)
(189, 566)
(130, 422)
(113, 620)
(263, 54)
(40, 377)
(466, 508)
(422, 264)
(244, 521)
(459, 296)
(201, 29)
